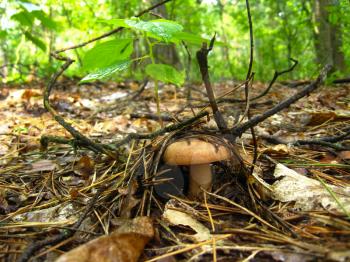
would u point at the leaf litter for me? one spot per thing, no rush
(45, 191)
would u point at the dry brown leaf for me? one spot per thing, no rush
(344, 155)
(126, 244)
(130, 201)
(29, 93)
(318, 118)
(84, 167)
(279, 149)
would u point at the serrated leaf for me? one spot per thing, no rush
(45, 20)
(160, 28)
(165, 73)
(24, 18)
(107, 53)
(36, 41)
(107, 71)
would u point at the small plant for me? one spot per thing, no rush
(110, 57)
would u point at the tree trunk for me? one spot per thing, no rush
(328, 38)
(166, 54)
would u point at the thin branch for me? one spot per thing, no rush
(240, 129)
(161, 131)
(202, 58)
(275, 76)
(246, 87)
(327, 141)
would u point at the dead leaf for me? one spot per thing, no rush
(126, 244)
(84, 167)
(344, 155)
(318, 118)
(308, 194)
(29, 93)
(43, 165)
(130, 201)
(176, 217)
(63, 213)
(279, 149)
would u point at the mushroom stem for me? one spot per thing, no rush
(200, 176)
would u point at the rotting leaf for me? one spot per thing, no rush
(43, 165)
(126, 244)
(308, 194)
(63, 213)
(180, 218)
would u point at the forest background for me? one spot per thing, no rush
(314, 32)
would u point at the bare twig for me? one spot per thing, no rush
(246, 87)
(327, 141)
(275, 76)
(160, 131)
(202, 58)
(240, 129)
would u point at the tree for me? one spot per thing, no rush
(328, 37)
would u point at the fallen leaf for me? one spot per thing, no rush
(84, 167)
(318, 118)
(344, 155)
(279, 149)
(308, 194)
(180, 218)
(63, 213)
(130, 201)
(29, 93)
(43, 165)
(126, 244)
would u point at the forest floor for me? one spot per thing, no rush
(295, 207)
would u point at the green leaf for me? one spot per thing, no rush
(36, 41)
(161, 29)
(24, 18)
(165, 73)
(115, 22)
(3, 34)
(107, 71)
(190, 38)
(45, 20)
(107, 53)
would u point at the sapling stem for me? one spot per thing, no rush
(156, 86)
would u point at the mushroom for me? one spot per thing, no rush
(197, 154)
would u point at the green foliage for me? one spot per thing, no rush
(107, 71)
(36, 41)
(282, 29)
(108, 57)
(165, 73)
(160, 29)
(107, 53)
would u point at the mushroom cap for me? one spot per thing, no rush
(194, 151)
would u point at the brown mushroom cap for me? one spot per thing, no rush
(194, 151)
